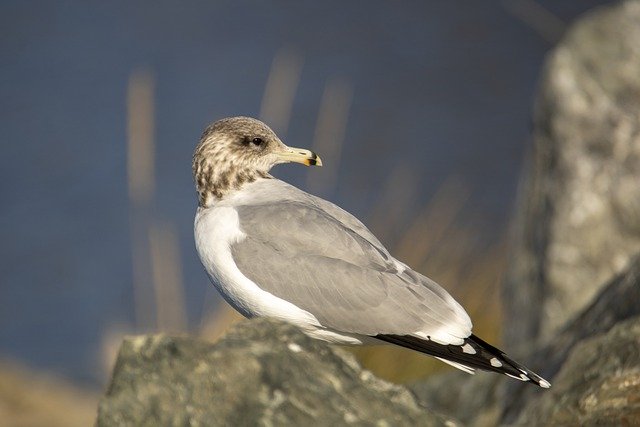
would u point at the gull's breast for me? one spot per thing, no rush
(216, 229)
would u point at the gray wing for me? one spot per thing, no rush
(322, 259)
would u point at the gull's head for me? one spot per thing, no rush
(238, 150)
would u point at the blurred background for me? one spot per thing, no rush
(420, 111)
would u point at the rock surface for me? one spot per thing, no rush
(261, 373)
(616, 303)
(578, 224)
(599, 384)
(474, 399)
(579, 220)
(488, 400)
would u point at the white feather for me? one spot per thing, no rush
(216, 228)
(457, 365)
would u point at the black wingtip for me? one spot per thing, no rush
(473, 353)
(509, 367)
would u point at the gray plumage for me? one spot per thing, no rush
(322, 259)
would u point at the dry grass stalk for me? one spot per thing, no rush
(388, 214)
(167, 278)
(329, 134)
(140, 135)
(280, 90)
(141, 178)
(541, 20)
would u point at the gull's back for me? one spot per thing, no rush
(323, 260)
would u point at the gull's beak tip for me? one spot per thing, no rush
(317, 161)
(300, 155)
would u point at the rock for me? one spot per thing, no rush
(599, 384)
(574, 271)
(579, 221)
(474, 399)
(617, 302)
(486, 399)
(261, 373)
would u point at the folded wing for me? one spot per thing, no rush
(320, 258)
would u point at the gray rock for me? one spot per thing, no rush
(486, 399)
(261, 373)
(599, 384)
(617, 302)
(579, 220)
(474, 400)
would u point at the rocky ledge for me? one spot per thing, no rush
(261, 373)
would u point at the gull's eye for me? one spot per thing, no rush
(257, 141)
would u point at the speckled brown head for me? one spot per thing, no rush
(236, 151)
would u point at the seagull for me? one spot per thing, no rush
(273, 250)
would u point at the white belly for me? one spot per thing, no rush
(216, 229)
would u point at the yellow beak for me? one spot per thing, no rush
(300, 155)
